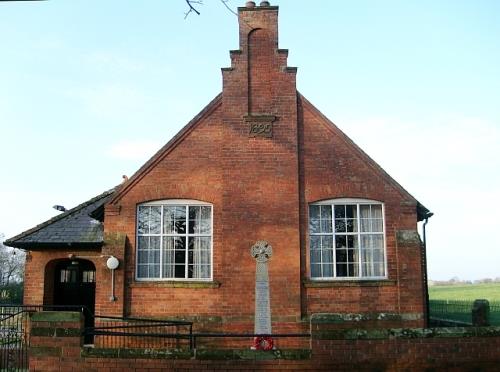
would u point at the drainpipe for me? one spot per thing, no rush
(424, 259)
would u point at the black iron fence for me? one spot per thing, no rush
(14, 332)
(460, 313)
(137, 333)
(116, 332)
(13, 338)
(457, 313)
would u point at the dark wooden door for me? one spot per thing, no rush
(74, 285)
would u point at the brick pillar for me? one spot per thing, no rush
(481, 313)
(114, 245)
(55, 340)
(410, 284)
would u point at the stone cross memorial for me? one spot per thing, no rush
(261, 251)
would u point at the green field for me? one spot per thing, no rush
(488, 291)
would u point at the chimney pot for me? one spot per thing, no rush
(250, 4)
(265, 3)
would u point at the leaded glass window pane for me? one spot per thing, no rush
(314, 219)
(315, 242)
(168, 257)
(155, 220)
(377, 225)
(143, 220)
(316, 256)
(327, 256)
(340, 226)
(174, 219)
(327, 270)
(199, 220)
(378, 269)
(316, 270)
(351, 211)
(326, 218)
(376, 211)
(339, 211)
(326, 241)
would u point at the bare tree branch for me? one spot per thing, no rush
(191, 4)
(228, 8)
(11, 264)
(192, 8)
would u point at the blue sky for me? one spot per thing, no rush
(89, 90)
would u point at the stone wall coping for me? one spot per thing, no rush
(405, 333)
(335, 318)
(57, 316)
(200, 354)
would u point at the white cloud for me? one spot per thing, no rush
(134, 149)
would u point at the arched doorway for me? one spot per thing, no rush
(74, 285)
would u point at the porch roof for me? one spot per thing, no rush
(79, 226)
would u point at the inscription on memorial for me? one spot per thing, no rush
(262, 251)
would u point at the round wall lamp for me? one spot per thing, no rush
(112, 263)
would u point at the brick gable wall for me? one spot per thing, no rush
(260, 188)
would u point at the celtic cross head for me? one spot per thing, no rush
(261, 251)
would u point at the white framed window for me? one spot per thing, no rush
(347, 239)
(174, 240)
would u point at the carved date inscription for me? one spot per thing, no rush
(260, 125)
(261, 129)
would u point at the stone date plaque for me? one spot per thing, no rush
(260, 125)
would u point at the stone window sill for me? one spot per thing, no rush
(347, 283)
(174, 284)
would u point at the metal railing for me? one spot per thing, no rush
(136, 333)
(117, 332)
(451, 311)
(15, 336)
(459, 312)
(495, 313)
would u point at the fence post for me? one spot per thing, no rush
(481, 313)
(55, 340)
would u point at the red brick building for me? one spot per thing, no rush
(259, 162)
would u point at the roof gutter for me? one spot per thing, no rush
(427, 215)
(35, 246)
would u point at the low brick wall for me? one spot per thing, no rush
(56, 346)
(424, 349)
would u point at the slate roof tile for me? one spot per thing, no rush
(73, 227)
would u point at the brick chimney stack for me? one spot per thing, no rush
(257, 67)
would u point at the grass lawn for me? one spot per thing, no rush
(488, 291)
